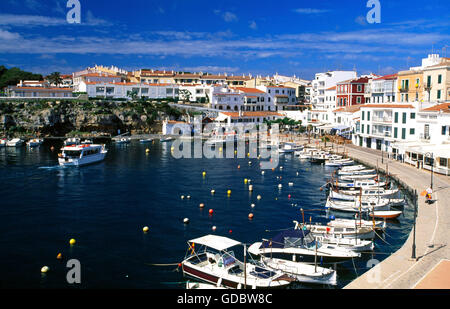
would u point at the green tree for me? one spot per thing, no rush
(13, 76)
(55, 78)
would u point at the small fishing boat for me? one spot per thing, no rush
(319, 158)
(359, 172)
(35, 142)
(389, 214)
(371, 192)
(338, 232)
(289, 148)
(299, 245)
(15, 142)
(352, 168)
(123, 140)
(215, 263)
(353, 244)
(72, 141)
(166, 139)
(357, 177)
(302, 272)
(79, 155)
(338, 163)
(356, 185)
(348, 206)
(335, 196)
(146, 140)
(340, 222)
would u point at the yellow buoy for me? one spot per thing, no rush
(204, 174)
(245, 180)
(220, 149)
(235, 152)
(229, 192)
(45, 269)
(145, 229)
(147, 150)
(72, 241)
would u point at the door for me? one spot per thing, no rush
(378, 144)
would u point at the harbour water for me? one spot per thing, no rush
(104, 207)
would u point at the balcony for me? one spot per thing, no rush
(403, 89)
(382, 134)
(382, 119)
(424, 137)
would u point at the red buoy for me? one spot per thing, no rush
(211, 211)
(289, 196)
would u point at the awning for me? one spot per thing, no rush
(341, 128)
(216, 242)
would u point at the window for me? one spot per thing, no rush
(359, 88)
(443, 162)
(403, 133)
(413, 115)
(412, 131)
(368, 116)
(358, 100)
(404, 118)
(444, 130)
(395, 132)
(428, 81)
(368, 129)
(362, 115)
(362, 128)
(396, 117)
(438, 94)
(439, 79)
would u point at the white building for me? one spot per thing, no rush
(324, 81)
(383, 89)
(279, 96)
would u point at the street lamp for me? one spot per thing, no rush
(413, 255)
(430, 154)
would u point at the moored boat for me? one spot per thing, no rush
(34, 142)
(15, 142)
(3, 142)
(215, 263)
(390, 214)
(337, 232)
(72, 141)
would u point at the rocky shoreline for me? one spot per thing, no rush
(61, 118)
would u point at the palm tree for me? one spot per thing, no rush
(325, 139)
(55, 78)
(309, 128)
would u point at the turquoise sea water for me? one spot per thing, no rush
(104, 207)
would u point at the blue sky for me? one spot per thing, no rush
(237, 37)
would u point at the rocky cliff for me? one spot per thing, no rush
(60, 118)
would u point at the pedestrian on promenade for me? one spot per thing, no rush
(428, 195)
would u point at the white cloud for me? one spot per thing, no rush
(253, 25)
(229, 17)
(7, 36)
(310, 11)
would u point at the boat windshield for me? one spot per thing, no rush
(72, 153)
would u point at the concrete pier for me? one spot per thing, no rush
(400, 271)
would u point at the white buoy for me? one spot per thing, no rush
(45, 269)
(258, 197)
(291, 184)
(250, 188)
(213, 191)
(214, 228)
(262, 173)
(145, 229)
(297, 173)
(252, 205)
(182, 197)
(281, 167)
(188, 197)
(186, 220)
(280, 186)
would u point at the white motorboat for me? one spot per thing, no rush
(335, 196)
(215, 263)
(15, 142)
(289, 148)
(72, 141)
(299, 245)
(352, 168)
(340, 222)
(358, 172)
(353, 244)
(358, 185)
(337, 232)
(306, 153)
(371, 192)
(390, 214)
(302, 272)
(123, 140)
(338, 163)
(78, 155)
(348, 206)
(34, 142)
(357, 177)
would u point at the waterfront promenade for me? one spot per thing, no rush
(400, 271)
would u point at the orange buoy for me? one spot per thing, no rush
(59, 256)
(239, 166)
(250, 216)
(202, 205)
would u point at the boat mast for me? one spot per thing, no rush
(245, 266)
